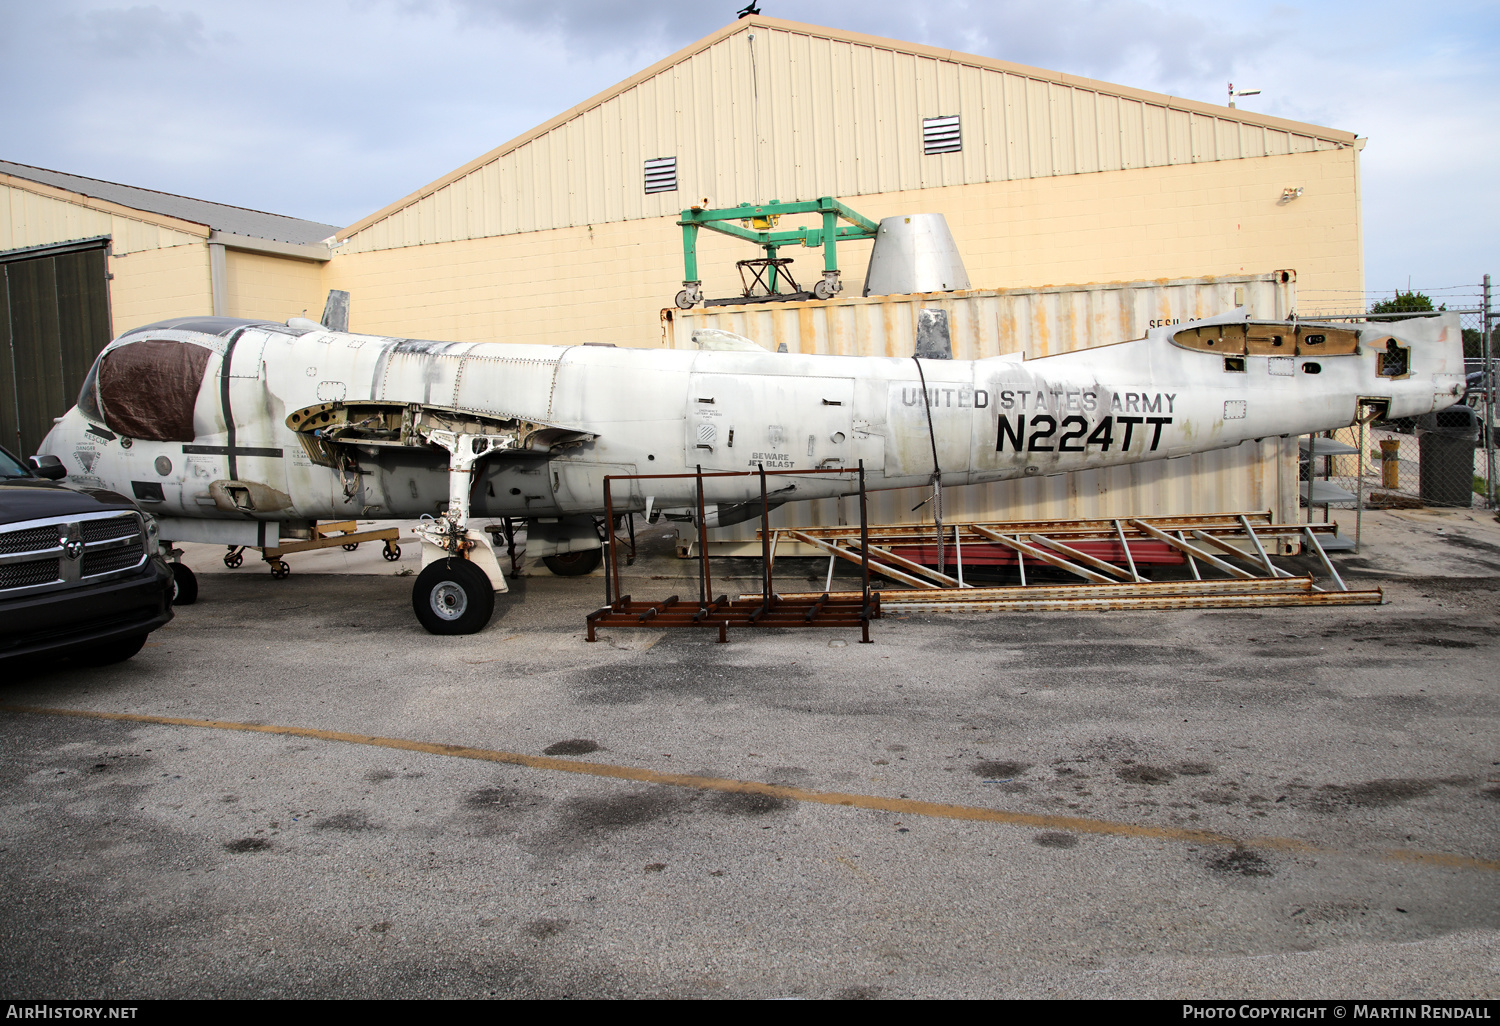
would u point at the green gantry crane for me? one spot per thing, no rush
(756, 224)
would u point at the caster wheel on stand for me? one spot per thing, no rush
(391, 552)
(279, 569)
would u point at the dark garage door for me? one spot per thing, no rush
(54, 319)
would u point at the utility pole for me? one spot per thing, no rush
(1485, 321)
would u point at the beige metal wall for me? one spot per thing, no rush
(1036, 322)
(767, 109)
(160, 264)
(607, 282)
(272, 287)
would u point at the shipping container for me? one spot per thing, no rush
(1036, 322)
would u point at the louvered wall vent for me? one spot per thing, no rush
(941, 135)
(661, 175)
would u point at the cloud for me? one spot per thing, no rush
(140, 32)
(590, 27)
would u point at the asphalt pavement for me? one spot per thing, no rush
(294, 791)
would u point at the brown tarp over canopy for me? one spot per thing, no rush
(148, 389)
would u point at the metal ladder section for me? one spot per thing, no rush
(1238, 575)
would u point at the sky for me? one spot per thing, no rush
(331, 110)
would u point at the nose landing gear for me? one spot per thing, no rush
(455, 592)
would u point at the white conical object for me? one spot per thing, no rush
(914, 253)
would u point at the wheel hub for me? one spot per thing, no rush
(449, 600)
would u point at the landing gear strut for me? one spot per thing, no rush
(455, 592)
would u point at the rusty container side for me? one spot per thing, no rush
(1037, 322)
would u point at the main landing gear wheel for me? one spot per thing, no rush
(391, 552)
(453, 596)
(574, 564)
(184, 588)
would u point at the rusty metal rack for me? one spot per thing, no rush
(1106, 554)
(768, 609)
(342, 533)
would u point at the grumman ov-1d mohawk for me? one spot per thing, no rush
(240, 432)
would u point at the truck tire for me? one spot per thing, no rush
(116, 651)
(184, 585)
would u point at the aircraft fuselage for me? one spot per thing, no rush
(293, 425)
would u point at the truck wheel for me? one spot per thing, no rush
(112, 651)
(184, 588)
(453, 596)
(574, 564)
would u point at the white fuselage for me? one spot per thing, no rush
(668, 412)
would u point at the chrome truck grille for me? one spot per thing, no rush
(61, 552)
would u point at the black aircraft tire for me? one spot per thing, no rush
(574, 564)
(111, 651)
(453, 596)
(184, 586)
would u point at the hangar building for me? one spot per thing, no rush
(82, 261)
(568, 232)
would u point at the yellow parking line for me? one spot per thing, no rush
(902, 806)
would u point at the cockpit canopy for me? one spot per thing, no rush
(146, 389)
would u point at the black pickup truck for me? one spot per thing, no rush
(80, 569)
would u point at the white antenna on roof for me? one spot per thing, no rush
(1243, 92)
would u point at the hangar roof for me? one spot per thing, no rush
(219, 217)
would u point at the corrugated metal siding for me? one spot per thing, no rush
(29, 219)
(54, 319)
(213, 215)
(768, 113)
(983, 322)
(1037, 322)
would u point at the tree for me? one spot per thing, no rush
(1405, 302)
(1474, 342)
